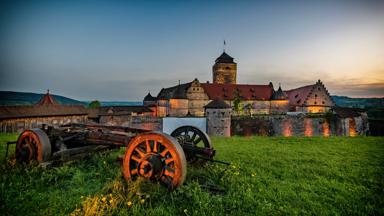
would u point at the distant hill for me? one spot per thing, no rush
(345, 101)
(26, 98)
(373, 106)
(118, 103)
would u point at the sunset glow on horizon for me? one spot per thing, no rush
(121, 50)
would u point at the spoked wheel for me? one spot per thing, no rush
(33, 145)
(194, 137)
(155, 156)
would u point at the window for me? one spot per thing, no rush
(296, 96)
(227, 68)
(323, 102)
(315, 95)
(315, 102)
(319, 89)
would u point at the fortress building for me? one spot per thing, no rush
(189, 99)
(312, 98)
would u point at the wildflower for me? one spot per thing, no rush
(129, 203)
(111, 201)
(104, 162)
(142, 201)
(233, 166)
(104, 199)
(236, 173)
(253, 174)
(185, 211)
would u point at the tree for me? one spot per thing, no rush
(94, 104)
(237, 102)
(248, 109)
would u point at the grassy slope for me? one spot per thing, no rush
(336, 175)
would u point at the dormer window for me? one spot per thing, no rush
(296, 96)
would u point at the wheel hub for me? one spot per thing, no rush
(151, 166)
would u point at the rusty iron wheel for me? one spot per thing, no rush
(195, 137)
(33, 145)
(156, 156)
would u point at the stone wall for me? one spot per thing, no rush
(218, 122)
(178, 107)
(299, 125)
(162, 108)
(142, 122)
(20, 124)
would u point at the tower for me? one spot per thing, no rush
(218, 115)
(224, 70)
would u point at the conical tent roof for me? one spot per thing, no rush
(217, 104)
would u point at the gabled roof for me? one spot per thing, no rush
(298, 96)
(218, 104)
(230, 91)
(224, 58)
(174, 92)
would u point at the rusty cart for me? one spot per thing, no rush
(149, 154)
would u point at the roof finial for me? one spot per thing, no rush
(179, 82)
(224, 43)
(47, 91)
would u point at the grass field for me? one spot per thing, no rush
(268, 176)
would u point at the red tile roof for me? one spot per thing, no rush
(46, 107)
(247, 92)
(26, 111)
(298, 96)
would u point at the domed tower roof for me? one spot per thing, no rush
(224, 58)
(149, 97)
(279, 95)
(217, 104)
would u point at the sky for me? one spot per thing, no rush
(121, 50)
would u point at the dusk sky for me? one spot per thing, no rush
(120, 50)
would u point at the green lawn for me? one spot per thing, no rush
(268, 176)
